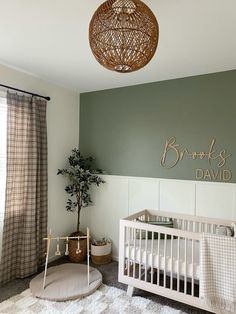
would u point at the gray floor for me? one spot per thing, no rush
(110, 273)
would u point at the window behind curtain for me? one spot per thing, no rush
(3, 137)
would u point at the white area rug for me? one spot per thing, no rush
(106, 300)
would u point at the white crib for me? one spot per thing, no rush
(164, 260)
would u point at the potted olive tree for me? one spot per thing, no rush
(81, 173)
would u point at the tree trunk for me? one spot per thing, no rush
(78, 218)
(79, 202)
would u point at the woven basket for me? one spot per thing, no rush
(73, 244)
(101, 260)
(101, 254)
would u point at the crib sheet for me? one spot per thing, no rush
(191, 269)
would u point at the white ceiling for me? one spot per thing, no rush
(49, 38)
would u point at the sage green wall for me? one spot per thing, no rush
(126, 128)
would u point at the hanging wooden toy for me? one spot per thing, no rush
(67, 246)
(78, 247)
(58, 252)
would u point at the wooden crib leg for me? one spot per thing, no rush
(130, 291)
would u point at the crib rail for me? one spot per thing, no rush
(149, 249)
(159, 259)
(164, 260)
(182, 222)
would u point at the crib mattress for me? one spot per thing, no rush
(140, 255)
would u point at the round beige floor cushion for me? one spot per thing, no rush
(66, 282)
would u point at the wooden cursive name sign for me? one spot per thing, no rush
(174, 154)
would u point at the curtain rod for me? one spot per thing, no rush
(25, 92)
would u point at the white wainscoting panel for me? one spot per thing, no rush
(177, 196)
(143, 193)
(215, 200)
(110, 205)
(121, 196)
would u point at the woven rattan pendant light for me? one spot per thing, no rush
(123, 35)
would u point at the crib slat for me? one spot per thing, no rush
(152, 244)
(146, 261)
(128, 233)
(134, 262)
(140, 254)
(158, 254)
(178, 256)
(193, 257)
(164, 284)
(185, 262)
(212, 228)
(202, 227)
(209, 228)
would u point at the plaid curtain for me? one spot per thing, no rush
(25, 219)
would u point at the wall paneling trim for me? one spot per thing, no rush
(122, 196)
